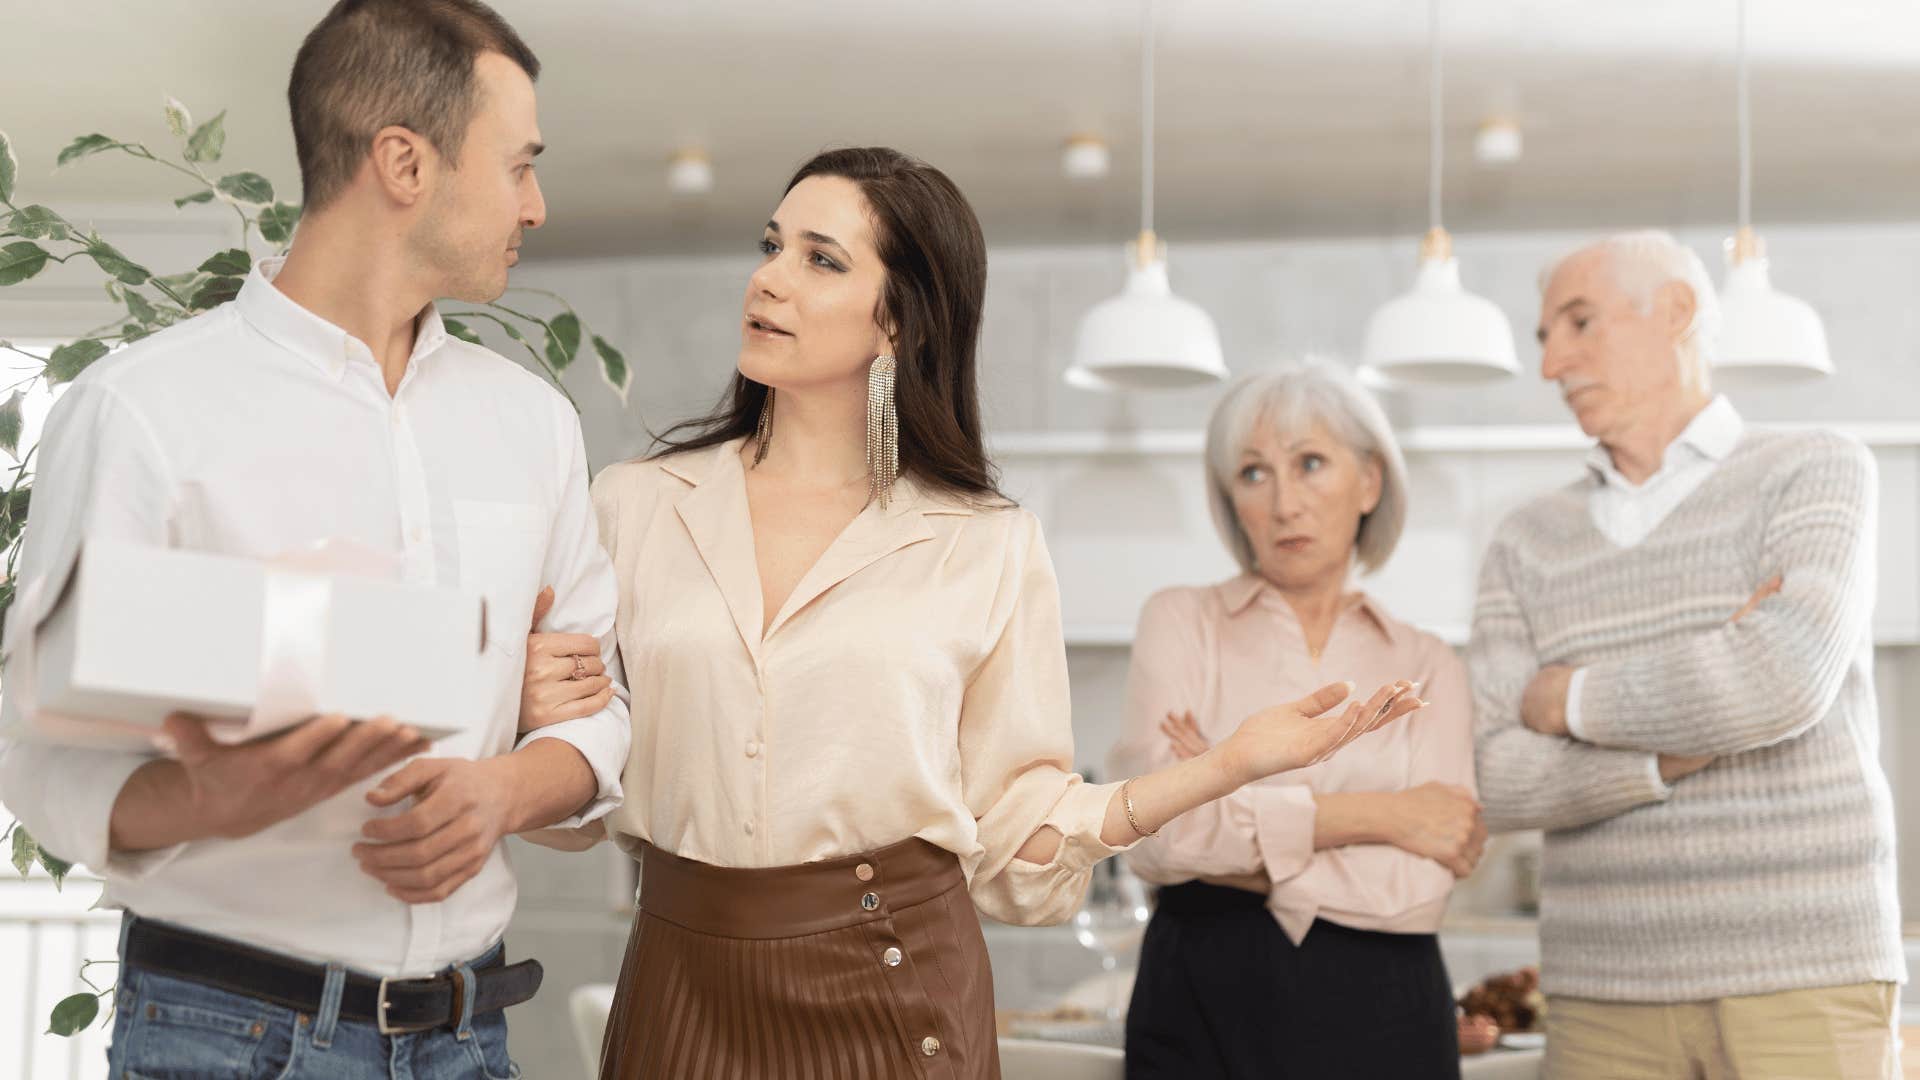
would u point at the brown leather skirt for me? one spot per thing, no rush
(871, 966)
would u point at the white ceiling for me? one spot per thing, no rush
(1283, 117)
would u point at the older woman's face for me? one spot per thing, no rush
(1300, 497)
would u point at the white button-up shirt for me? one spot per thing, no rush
(260, 428)
(1627, 513)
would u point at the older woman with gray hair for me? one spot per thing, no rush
(1294, 934)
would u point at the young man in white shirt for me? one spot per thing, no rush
(287, 915)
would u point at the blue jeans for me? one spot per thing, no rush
(166, 1028)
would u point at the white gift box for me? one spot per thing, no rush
(135, 633)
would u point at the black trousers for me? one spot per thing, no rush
(1222, 993)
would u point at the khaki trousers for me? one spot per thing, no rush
(1831, 1033)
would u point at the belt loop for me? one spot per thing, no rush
(330, 995)
(465, 987)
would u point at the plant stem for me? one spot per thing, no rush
(552, 375)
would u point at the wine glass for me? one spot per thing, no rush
(1112, 922)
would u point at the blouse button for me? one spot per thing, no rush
(870, 902)
(753, 748)
(749, 828)
(864, 871)
(892, 956)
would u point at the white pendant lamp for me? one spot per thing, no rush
(1146, 338)
(1765, 335)
(1438, 332)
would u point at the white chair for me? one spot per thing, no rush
(590, 1005)
(1040, 1059)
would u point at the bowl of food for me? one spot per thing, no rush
(1507, 1010)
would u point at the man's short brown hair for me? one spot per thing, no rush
(371, 64)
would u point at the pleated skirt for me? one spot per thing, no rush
(870, 966)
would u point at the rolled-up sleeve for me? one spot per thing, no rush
(585, 598)
(100, 473)
(1016, 751)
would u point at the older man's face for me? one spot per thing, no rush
(1615, 363)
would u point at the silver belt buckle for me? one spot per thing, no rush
(380, 1013)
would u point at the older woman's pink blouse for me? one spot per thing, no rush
(1225, 651)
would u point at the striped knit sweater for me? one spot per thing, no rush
(1773, 868)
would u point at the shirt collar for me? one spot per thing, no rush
(307, 335)
(696, 467)
(1712, 434)
(1239, 594)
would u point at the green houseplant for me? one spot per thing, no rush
(34, 236)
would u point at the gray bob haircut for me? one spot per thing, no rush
(1293, 399)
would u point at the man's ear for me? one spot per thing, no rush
(403, 163)
(1676, 302)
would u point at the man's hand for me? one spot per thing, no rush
(1766, 589)
(211, 789)
(1544, 705)
(460, 811)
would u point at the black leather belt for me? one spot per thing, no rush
(398, 1006)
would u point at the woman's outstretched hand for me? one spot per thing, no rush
(1311, 730)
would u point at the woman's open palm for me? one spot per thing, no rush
(1311, 730)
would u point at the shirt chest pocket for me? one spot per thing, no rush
(503, 547)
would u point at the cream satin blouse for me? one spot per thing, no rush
(914, 684)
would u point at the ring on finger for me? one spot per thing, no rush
(579, 668)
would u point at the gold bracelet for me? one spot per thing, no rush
(1126, 802)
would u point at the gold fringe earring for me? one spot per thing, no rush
(883, 431)
(763, 434)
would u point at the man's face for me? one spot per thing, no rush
(471, 231)
(1615, 363)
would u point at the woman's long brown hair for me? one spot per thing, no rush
(936, 279)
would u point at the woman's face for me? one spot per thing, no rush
(811, 316)
(1299, 497)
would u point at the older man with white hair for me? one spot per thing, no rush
(1672, 662)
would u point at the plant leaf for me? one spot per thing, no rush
(613, 367)
(73, 1014)
(69, 360)
(13, 519)
(208, 140)
(10, 425)
(196, 197)
(229, 262)
(276, 223)
(36, 222)
(563, 340)
(141, 309)
(215, 292)
(133, 332)
(247, 187)
(461, 330)
(110, 260)
(84, 146)
(21, 260)
(179, 120)
(24, 850)
(9, 168)
(56, 867)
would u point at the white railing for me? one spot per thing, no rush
(45, 935)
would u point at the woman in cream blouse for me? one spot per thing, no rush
(849, 688)
(1294, 934)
